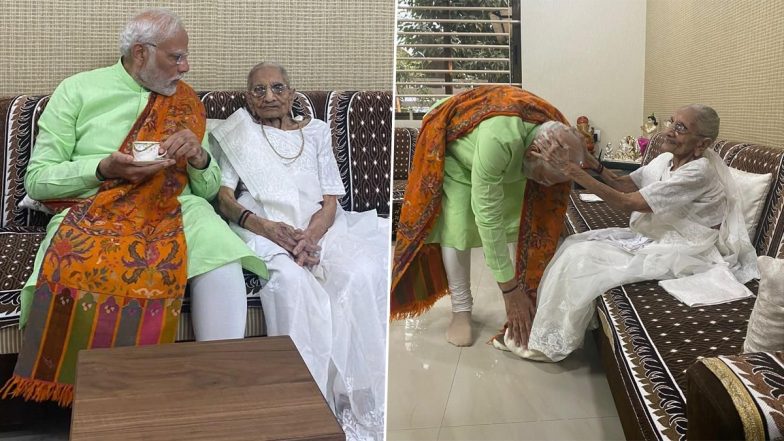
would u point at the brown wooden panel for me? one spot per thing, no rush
(255, 388)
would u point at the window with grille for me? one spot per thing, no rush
(447, 46)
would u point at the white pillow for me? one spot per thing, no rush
(32, 204)
(766, 323)
(753, 189)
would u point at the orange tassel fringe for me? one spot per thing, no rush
(417, 307)
(38, 390)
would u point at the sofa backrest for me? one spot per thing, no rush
(753, 158)
(405, 141)
(361, 136)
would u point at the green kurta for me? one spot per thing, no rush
(87, 118)
(483, 190)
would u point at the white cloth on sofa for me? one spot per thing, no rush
(589, 197)
(713, 287)
(678, 240)
(336, 313)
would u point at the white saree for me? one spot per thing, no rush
(336, 312)
(696, 225)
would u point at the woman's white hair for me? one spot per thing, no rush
(265, 64)
(149, 26)
(707, 120)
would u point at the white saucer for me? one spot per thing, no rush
(143, 163)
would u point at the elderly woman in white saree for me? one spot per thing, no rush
(686, 225)
(328, 268)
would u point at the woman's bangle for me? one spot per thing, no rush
(600, 169)
(243, 218)
(517, 285)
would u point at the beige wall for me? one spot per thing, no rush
(587, 57)
(728, 54)
(340, 44)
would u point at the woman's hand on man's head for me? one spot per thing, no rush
(552, 153)
(555, 155)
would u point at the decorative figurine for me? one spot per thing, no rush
(651, 126)
(628, 150)
(587, 132)
(608, 152)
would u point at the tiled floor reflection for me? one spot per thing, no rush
(441, 392)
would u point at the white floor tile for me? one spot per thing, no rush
(491, 386)
(421, 367)
(580, 429)
(490, 394)
(430, 434)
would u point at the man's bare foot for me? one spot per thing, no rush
(459, 331)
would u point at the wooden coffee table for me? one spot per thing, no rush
(256, 388)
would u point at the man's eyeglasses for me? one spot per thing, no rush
(276, 88)
(177, 58)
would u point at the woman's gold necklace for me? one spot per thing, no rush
(290, 159)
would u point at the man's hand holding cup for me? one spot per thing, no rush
(145, 160)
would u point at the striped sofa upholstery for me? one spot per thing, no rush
(361, 135)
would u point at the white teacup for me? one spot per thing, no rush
(144, 151)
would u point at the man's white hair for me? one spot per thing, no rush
(149, 26)
(547, 128)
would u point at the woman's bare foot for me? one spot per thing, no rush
(459, 331)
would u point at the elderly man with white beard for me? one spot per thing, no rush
(128, 235)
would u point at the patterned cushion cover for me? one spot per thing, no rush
(18, 246)
(405, 141)
(743, 391)
(361, 125)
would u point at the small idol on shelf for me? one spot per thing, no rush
(651, 126)
(586, 131)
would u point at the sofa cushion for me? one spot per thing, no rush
(753, 189)
(361, 124)
(655, 338)
(583, 216)
(766, 324)
(220, 104)
(737, 397)
(405, 141)
(18, 247)
(18, 127)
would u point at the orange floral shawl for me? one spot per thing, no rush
(115, 270)
(418, 276)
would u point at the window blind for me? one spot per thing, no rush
(447, 46)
